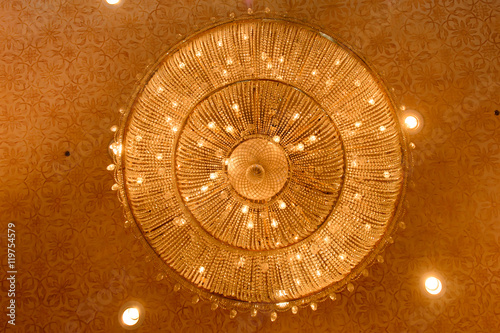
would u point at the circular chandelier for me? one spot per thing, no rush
(263, 164)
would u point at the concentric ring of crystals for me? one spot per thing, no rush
(259, 165)
(344, 157)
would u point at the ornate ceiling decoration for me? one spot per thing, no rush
(263, 163)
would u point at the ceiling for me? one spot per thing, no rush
(66, 67)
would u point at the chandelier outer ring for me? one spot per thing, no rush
(227, 302)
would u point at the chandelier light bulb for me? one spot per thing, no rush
(282, 204)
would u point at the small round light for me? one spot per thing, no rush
(433, 285)
(130, 316)
(411, 122)
(113, 2)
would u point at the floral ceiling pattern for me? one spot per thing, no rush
(67, 66)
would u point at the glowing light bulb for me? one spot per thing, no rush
(281, 59)
(111, 167)
(312, 138)
(211, 125)
(276, 139)
(245, 36)
(219, 43)
(174, 129)
(236, 107)
(213, 175)
(274, 223)
(282, 204)
(201, 270)
(113, 128)
(387, 174)
(357, 124)
(130, 316)
(229, 129)
(314, 72)
(371, 101)
(411, 122)
(244, 209)
(341, 257)
(433, 285)
(250, 225)
(175, 104)
(139, 180)
(182, 65)
(296, 116)
(314, 306)
(204, 188)
(198, 53)
(382, 128)
(300, 147)
(159, 156)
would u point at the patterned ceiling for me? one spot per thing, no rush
(67, 66)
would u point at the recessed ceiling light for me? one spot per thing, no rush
(412, 121)
(131, 315)
(433, 285)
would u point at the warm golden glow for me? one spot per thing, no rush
(113, 2)
(411, 122)
(257, 148)
(130, 316)
(433, 285)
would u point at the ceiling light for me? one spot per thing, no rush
(113, 2)
(412, 121)
(433, 285)
(131, 315)
(271, 185)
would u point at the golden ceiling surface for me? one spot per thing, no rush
(263, 162)
(68, 67)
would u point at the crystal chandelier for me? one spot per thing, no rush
(263, 164)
